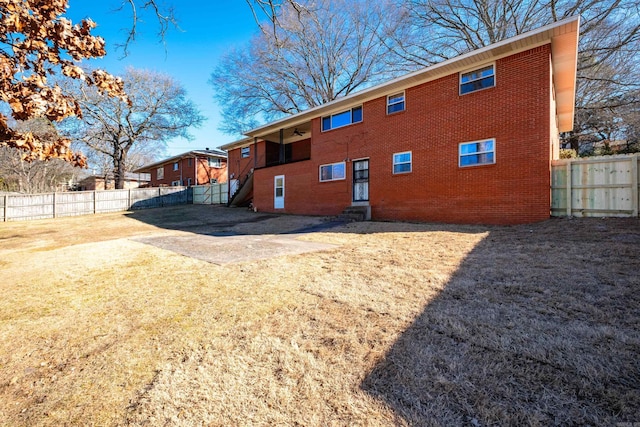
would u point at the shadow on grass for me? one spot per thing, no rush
(218, 220)
(202, 219)
(538, 326)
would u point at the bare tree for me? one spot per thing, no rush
(163, 16)
(304, 56)
(158, 110)
(608, 65)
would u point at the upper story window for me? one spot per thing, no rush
(479, 79)
(395, 103)
(344, 118)
(332, 172)
(477, 153)
(176, 166)
(160, 173)
(215, 162)
(189, 161)
(402, 162)
(245, 152)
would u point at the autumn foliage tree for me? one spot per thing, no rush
(36, 43)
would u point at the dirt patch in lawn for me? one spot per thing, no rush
(398, 324)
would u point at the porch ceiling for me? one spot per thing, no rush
(297, 132)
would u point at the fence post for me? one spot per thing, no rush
(95, 203)
(634, 184)
(6, 208)
(160, 197)
(129, 200)
(569, 195)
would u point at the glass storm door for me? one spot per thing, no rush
(278, 192)
(361, 180)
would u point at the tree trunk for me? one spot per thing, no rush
(119, 170)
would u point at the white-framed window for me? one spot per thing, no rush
(175, 183)
(245, 152)
(215, 162)
(189, 182)
(176, 166)
(477, 153)
(395, 103)
(160, 173)
(402, 162)
(478, 79)
(343, 118)
(332, 172)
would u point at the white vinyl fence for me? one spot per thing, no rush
(596, 186)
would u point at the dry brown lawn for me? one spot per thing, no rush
(398, 324)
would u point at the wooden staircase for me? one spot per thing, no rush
(242, 195)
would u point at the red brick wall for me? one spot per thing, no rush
(206, 173)
(436, 119)
(186, 171)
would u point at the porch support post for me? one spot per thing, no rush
(255, 152)
(281, 146)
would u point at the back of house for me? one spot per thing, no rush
(468, 140)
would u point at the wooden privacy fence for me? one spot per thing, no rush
(596, 186)
(14, 207)
(214, 194)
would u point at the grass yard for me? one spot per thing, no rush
(397, 324)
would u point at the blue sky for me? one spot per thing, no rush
(209, 28)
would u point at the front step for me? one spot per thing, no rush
(355, 213)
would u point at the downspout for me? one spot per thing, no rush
(195, 169)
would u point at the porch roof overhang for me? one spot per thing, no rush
(562, 35)
(244, 142)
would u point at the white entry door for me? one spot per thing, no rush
(278, 192)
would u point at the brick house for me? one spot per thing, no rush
(468, 140)
(196, 167)
(108, 182)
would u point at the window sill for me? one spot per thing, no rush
(475, 91)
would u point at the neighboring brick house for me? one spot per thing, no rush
(196, 167)
(98, 182)
(468, 140)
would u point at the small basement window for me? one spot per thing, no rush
(479, 79)
(332, 172)
(344, 118)
(175, 183)
(402, 162)
(395, 103)
(477, 153)
(245, 152)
